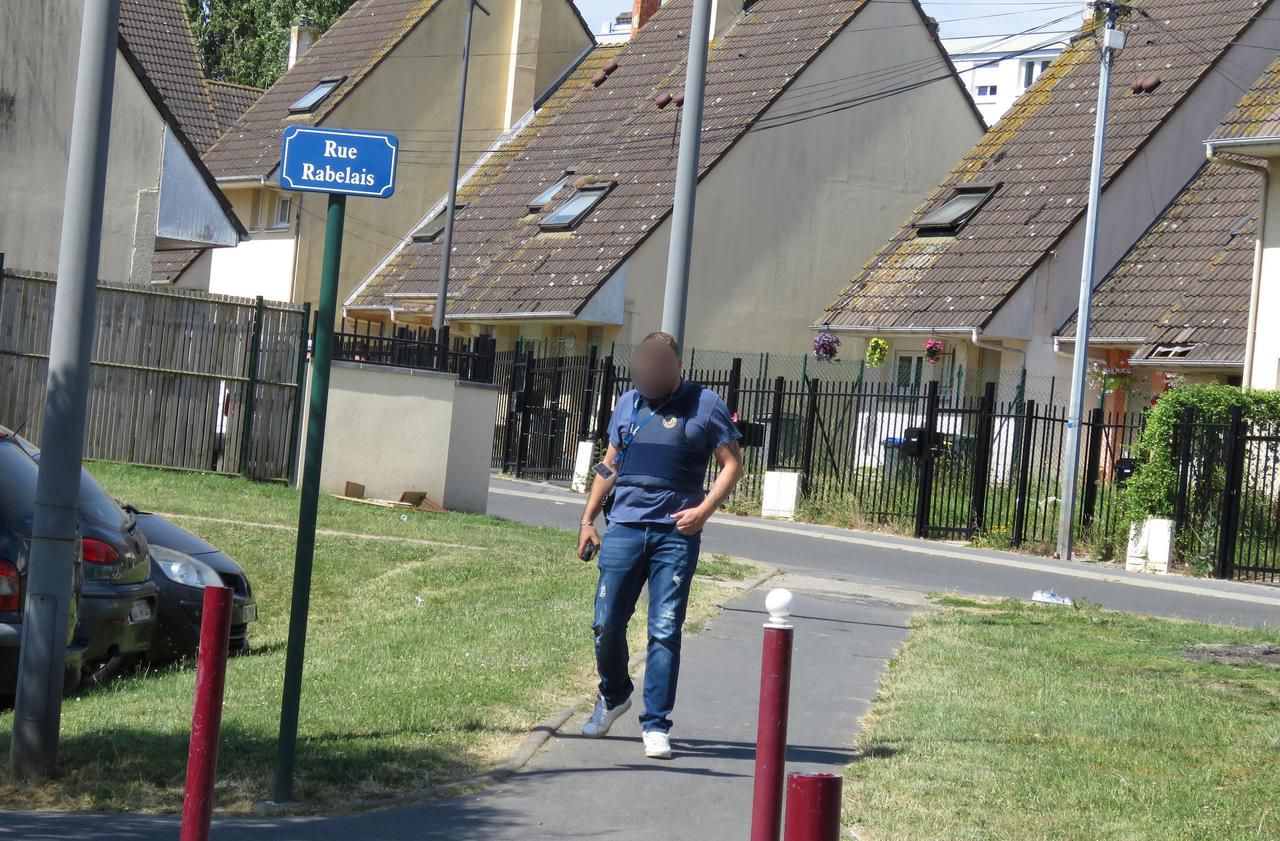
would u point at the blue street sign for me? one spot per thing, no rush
(327, 160)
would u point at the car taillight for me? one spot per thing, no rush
(97, 552)
(10, 587)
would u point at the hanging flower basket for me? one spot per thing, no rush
(1109, 378)
(877, 351)
(932, 350)
(825, 346)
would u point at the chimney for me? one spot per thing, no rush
(723, 13)
(641, 11)
(301, 38)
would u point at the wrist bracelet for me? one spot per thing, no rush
(587, 523)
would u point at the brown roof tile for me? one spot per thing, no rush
(355, 44)
(1039, 154)
(168, 266)
(230, 101)
(1186, 281)
(1258, 112)
(159, 36)
(503, 264)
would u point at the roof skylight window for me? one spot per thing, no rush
(955, 213)
(434, 226)
(574, 209)
(545, 198)
(312, 98)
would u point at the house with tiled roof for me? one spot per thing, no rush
(160, 197)
(1249, 139)
(1178, 302)
(989, 264)
(388, 65)
(823, 124)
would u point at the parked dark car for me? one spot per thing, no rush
(17, 508)
(119, 600)
(183, 565)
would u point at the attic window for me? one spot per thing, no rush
(544, 198)
(574, 209)
(316, 95)
(434, 226)
(955, 213)
(1171, 351)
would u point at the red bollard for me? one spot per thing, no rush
(813, 807)
(211, 677)
(771, 735)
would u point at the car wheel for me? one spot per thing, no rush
(71, 680)
(97, 674)
(241, 650)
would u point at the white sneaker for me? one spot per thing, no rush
(657, 745)
(602, 718)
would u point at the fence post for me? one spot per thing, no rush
(605, 410)
(298, 393)
(1018, 532)
(1185, 431)
(588, 392)
(735, 385)
(251, 386)
(982, 460)
(1092, 459)
(924, 497)
(442, 349)
(1230, 525)
(526, 393)
(775, 423)
(513, 403)
(810, 429)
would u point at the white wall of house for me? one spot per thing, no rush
(262, 266)
(997, 69)
(788, 213)
(1266, 350)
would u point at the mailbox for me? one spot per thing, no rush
(1125, 468)
(752, 433)
(914, 440)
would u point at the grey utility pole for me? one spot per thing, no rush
(38, 705)
(676, 297)
(446, 256)
(1112, 41)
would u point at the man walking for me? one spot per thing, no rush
(661, 438)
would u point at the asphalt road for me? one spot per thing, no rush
(928, 566)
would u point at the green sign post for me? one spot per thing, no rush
(367, 169)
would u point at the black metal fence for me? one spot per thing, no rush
(379, 343)
(943, 466)
(1226, 510)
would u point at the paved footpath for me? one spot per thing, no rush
(584, 788)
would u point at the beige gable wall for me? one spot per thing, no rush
(790, 213)
(413, 94)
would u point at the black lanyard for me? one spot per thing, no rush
(634, 428)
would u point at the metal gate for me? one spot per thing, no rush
(954, 465)
(550, 404)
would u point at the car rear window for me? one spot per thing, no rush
(17, 487)
(96, 505)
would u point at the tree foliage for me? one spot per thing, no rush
(247, 41)
(1150, 493)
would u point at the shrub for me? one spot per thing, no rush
(1151, 490)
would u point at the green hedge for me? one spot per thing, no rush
(1151, 491)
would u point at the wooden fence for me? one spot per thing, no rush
(179, 379)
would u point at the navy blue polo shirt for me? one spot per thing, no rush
(705, 423)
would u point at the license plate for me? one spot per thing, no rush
(249, 613)
(140, 611)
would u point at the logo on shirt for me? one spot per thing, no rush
(669, 422)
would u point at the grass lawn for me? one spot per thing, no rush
(436, 642)
(1012, 721)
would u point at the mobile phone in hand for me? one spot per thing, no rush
(589, 551)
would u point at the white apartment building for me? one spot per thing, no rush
(998, 68)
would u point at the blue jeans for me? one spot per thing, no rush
(629, 556)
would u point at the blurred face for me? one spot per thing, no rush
(655, 370)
